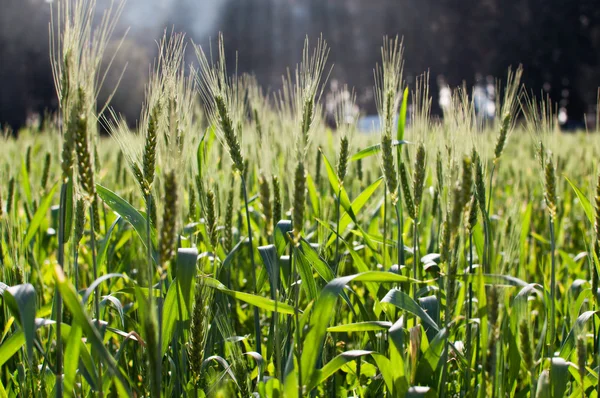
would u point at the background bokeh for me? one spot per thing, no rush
(557, 41)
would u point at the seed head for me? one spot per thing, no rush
(265, 201)
(457, 208)
(307, 118)
(192, 202)
(28, 159)
(581, 357)
(541, 153)
(228, 233)
(436, 202)
(299, 200)
(471, 214)
(19, 275)
(96, 159)
(46, 170)
(406, 192)
(525, 346)
(139, 177)
(466, 185)
(318, 161)
(550, 188)
(445, 241)
(79, 220)
(479, 183)
(259, 132)
(211, 217)
(439, 172)
(359, 169)
(494, 306)
(149, 157)
(502, 137)
(69, 136)
(65, 80)
(231, 138)
(389, 170)
(342, 165)
(419, 176)
(84, 158)
(169, 222)
(10, 195)
(96, 213)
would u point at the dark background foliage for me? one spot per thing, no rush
(557, 41)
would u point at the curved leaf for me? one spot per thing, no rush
(257, 301)
(583, 200)
(323, 312)
(403, 301)
(373, 150)
(80, 317)
(127, 211)
(39, 216)
(21, 301)
(360, 327)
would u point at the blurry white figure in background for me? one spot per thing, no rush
(490, 89)
(562, 115)
(445, 94)
(332, 104)
(483, 100)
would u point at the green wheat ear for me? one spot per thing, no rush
(471, 214)
(550, 188)
(359, 170)
(479, 183)
(10, 196)
(84, 159)
(228, 231)
(525, 345)
(410, 206)
(233, 145)
(466, 185)
(502, 137)
(169, 222)
(581, 357)
(46, 170)
(298, 199)
(342, 165)
(79, 220)
(191, 202)
(419, 176)
(389, 170)
(211, 217)
(265, 201)
(149, 157)
(445, 241)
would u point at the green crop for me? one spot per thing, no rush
(454, 258)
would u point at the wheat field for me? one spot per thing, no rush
(236, 244)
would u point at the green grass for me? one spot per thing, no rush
(493, 296)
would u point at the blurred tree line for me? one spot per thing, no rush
(557, 41)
